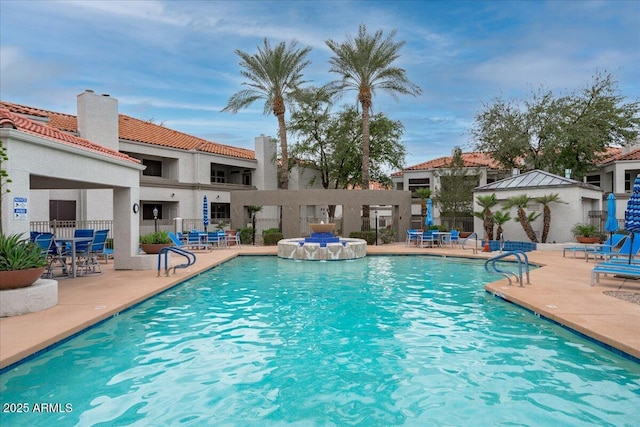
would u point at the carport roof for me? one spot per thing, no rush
(533, 179)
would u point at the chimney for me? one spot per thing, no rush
(98, 119)
(515, 172)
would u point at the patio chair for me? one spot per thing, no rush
(178, 243)
(44, 240)
(57, 259)
(426, 237)
(83, 249)
(412, 236)
(623, 249)
(217, 239)
(451, 239)
(96, 250)
(608, 245)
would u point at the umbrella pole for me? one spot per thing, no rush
(631, 247)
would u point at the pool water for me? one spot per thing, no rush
(378, 341)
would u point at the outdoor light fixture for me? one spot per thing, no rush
(155, 218)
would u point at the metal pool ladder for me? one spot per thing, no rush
(522, 259)
(190, 256)
(475, 237)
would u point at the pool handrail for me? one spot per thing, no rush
(190, 256)
(475, 236)
(520, 256)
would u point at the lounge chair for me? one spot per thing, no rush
(619, 267)
(623, 249)
(178, 243)
(608, 245)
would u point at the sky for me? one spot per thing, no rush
(174, 62)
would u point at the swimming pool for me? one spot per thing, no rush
(394, 340)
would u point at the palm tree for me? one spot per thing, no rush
(366, 64)
(546, 200)
(499, 218)
(273, 74)
(423, 194)
(521, 202)
(486, 203)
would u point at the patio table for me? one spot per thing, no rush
(73, 241)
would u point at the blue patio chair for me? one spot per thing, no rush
(83, 249)
(623, 249)
(97, 249)
(44, 240)
(426, 237)
(412, 236)
(452, 239)
(217, 239)
(608, 245)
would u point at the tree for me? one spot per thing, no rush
(328, 142)
(499, 218)
(366, 64)
(486, 203)
(273, 74)
(423, 194)
(455, 194)
(520, 202)
(557, 133)
(545, 201)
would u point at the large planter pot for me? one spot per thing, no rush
(153, 248)
(15, 279)
(587, 240)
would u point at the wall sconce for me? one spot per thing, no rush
(173, 194)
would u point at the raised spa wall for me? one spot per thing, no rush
(298, 249)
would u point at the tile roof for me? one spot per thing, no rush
(616, 155)
(472, 159)
(132, 129)
(15, 121)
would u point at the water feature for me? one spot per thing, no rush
(322, 245)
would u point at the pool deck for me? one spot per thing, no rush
(560, 291)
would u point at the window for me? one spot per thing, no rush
(217, 175)
(416, 183)
(246, 178)
(593, 180)
(147, 210)
(154, 167)
(220, 210)
(627, 183)
(62, 210)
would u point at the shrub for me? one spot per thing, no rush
(369, 236)
(159, 237)
(271, 238)
(245, 235)
(387, 235)
(19, 254)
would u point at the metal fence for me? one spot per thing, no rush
(66, 229)
(459, 223)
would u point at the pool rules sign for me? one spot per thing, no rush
(20, 208)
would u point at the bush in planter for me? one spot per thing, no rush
(160, 237)
(584, 230)
(17, 253)
(245, 235)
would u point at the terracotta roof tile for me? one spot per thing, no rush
(132, 129)
(472, 159)
(9, 119)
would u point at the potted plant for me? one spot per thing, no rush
(21, 262)
(152, 243)
(585, 233)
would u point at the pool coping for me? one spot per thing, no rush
(560, 291)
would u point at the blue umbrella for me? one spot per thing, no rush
(612, 223)
(429, 219)
(632, 214)
(205, 213)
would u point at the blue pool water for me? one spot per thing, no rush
(379, 341)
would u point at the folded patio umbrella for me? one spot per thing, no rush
(632, 214)
(429, 219)
(205, 213)
(612, 223)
